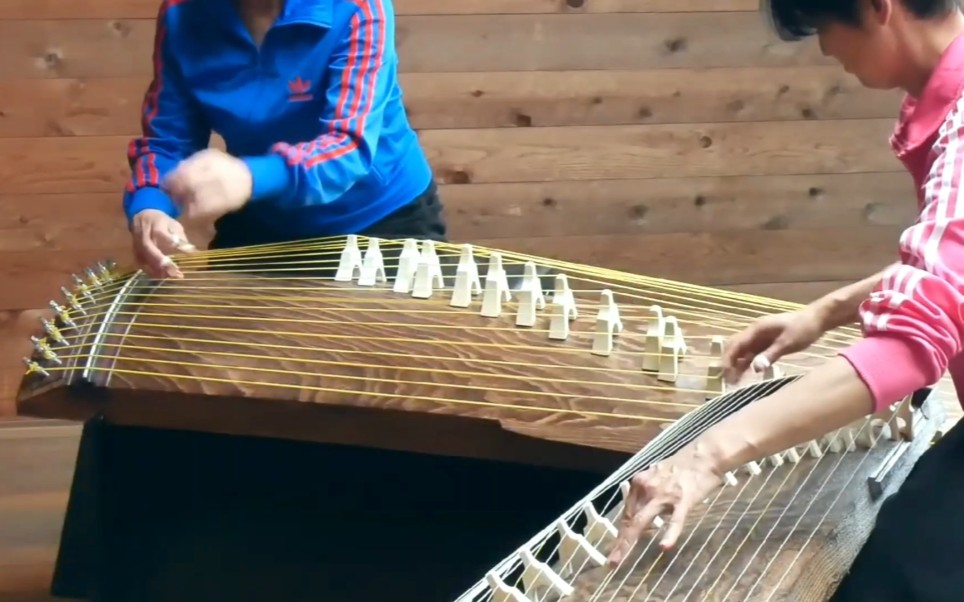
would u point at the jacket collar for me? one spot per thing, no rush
(921, 117)
(313, 12)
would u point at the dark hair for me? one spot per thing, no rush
(796, 19)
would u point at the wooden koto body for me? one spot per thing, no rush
(470, 352)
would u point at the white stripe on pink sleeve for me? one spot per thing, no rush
(913, 319)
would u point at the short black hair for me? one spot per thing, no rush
(796, 19)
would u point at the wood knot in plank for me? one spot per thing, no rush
(706, 141)
(477, 93)
(122, 28)
(639, 211)
(644, 112)
(456, 176)
(736, 105)
(596, 100)
(832, 91)
(575, 3)
(777, 222)
(870, 209)
(814, 192)
(51, 59)
(675, 44)
(522, 120)
(549, 202)
(783, 90)
(699, 200)
(808, 113)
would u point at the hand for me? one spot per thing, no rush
(154, 235)
(209, 184)
(675, 484)
(770, 338)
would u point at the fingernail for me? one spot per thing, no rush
(760, 363)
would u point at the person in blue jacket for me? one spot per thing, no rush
(305, 94)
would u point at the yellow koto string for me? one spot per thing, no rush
(74, 346)
(668, 286)
(340, 363)
(234, 381)
(287, 251)
(328, 251)
(722, 319)
(408, 340)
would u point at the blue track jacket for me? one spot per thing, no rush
(316, 112)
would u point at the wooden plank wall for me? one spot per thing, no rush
(673, 138)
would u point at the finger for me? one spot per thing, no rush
(178, 241)
(737, 346)
(777, 349)
(631, 532)
(170, 268)
(734, 373)
(158, 264)
(675, 526)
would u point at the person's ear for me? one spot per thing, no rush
(879, 12)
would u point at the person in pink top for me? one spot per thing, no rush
(910, 314)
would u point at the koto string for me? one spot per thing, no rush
(400, 368)
(679, 434)
(748, 396)
(442, 400)
(794, 496)
(335, 244)
(673, 438)
(102, 309)
(620, 507)
(375, 310)
(550, 350)
(822, 519)
(183, 363)
(760, 516)
(627, 318)
(286, 252)
(410, 340)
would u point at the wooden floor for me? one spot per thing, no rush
(36, 466)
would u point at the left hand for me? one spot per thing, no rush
(676, 484)
(209, 184)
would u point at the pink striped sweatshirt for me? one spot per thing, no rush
(912, 322)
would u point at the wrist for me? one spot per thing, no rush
(270, 176)
(722, 451)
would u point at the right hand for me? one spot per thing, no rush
(770, 338)
(155, 235)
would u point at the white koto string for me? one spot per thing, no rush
(676, 436)
(714, 530)
(738, 396)
(709, 537)
(722, 572)
(722, 545)
(824, 517)
(692, 529)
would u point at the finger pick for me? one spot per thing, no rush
(760, 363)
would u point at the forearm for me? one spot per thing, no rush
(819, 402)
(841, 306)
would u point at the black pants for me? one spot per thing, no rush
(422, 218)
(915, 552)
